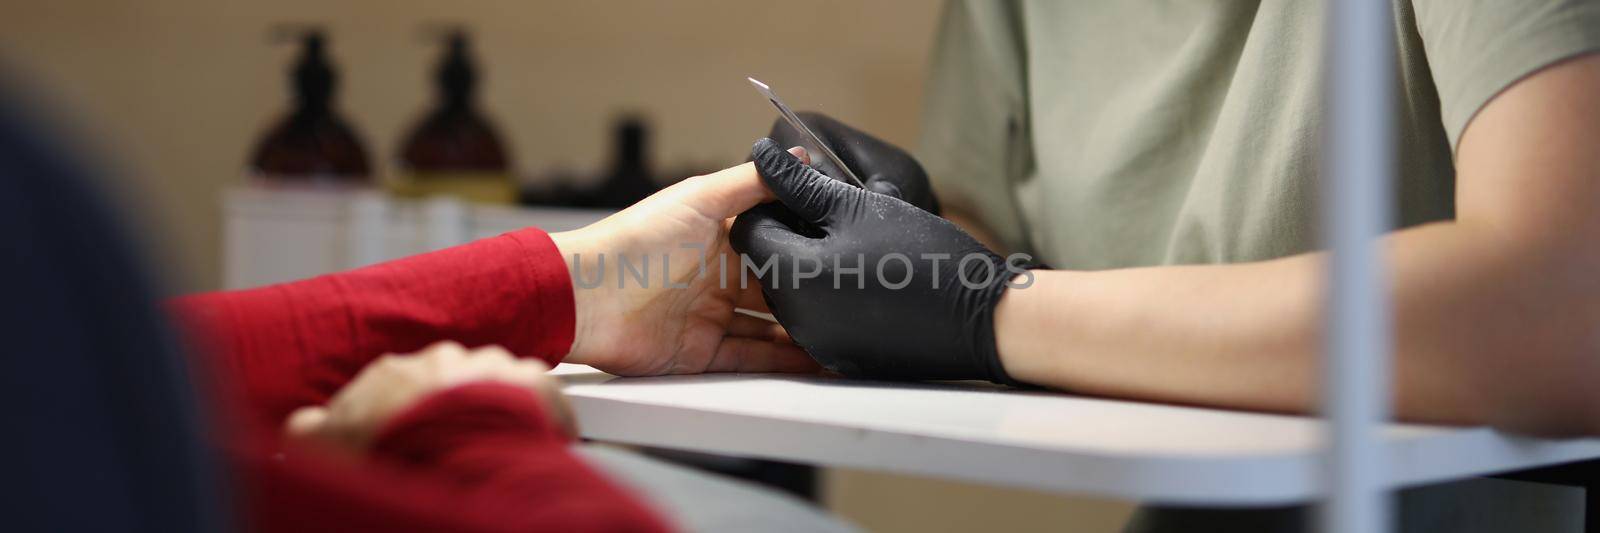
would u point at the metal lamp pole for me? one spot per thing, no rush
(1357, 172)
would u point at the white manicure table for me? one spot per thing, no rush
(1039, 440)
(1029, 439)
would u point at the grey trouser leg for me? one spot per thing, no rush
(1480, 505)
(697, 502)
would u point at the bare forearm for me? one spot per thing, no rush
(1495, 313)
(1489, 329)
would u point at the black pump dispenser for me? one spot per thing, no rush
(312, 144)
(457, 76)
(313, 78)
(630, 178)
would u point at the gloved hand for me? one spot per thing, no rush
(870, 285)
(882, 167)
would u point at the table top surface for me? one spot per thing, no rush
(1031, 439)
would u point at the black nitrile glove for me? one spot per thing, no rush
(920, 307)
(882, 167)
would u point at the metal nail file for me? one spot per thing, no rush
(794, 121)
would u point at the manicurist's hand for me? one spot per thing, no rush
(393, 383)
(656, 286)
(871, 285)
(884, 168)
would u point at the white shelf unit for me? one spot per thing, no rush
(275, 235)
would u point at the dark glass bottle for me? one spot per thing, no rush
(313, 144)
(454, 150)
(630, 178)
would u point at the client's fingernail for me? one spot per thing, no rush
(800, 152)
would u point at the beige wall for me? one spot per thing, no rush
(176, 92)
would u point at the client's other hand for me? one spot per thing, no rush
(656, 286)
(871, 285)
(392, 383)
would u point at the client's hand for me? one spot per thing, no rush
(656, 286)
(394, 382)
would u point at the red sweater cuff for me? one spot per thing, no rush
(549, 285)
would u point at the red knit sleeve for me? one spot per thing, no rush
(283, 346)
(480, 457)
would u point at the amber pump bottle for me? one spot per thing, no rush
(312, 145)
(454, 150)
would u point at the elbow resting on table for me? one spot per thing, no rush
(1545, 397)
(1536, 360)
(1498, 327)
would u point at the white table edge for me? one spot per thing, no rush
(1210, 479)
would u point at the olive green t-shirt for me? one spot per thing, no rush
(1127, 133)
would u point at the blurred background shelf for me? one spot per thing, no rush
(277, 235)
